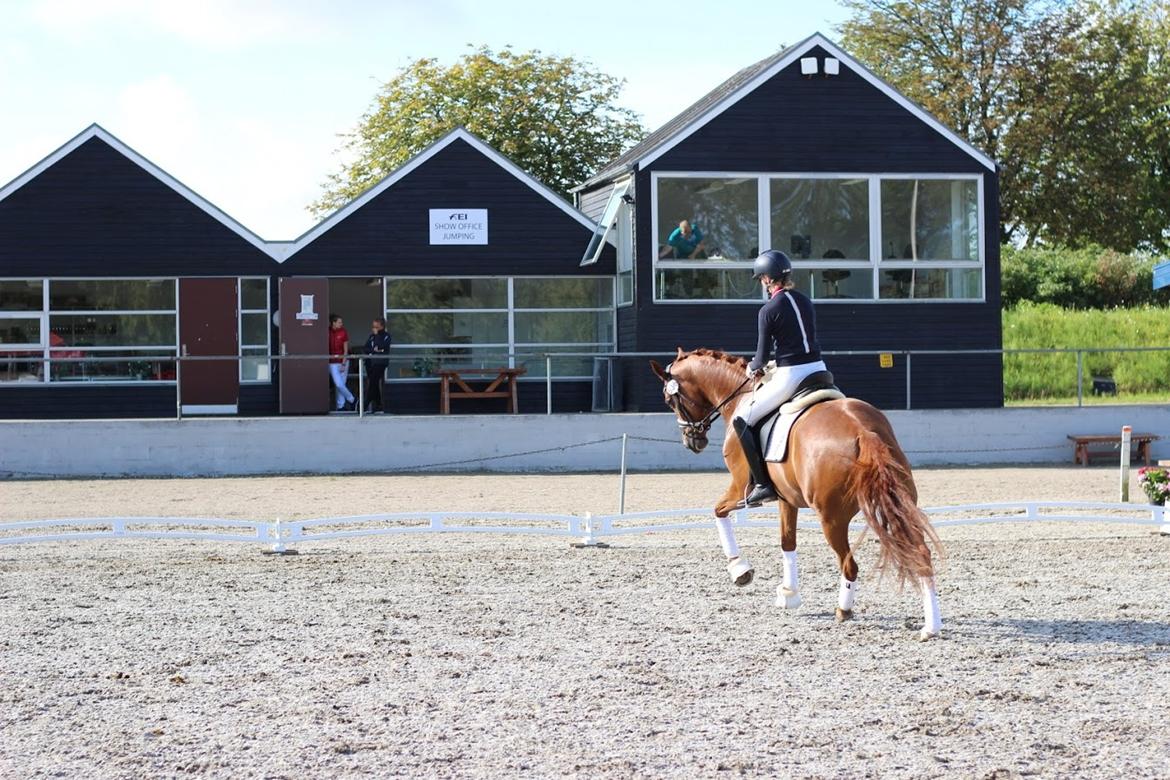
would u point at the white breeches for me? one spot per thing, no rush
(776, 391)
(339, 372)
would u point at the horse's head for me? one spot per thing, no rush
(687, 399)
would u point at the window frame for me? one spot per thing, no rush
(240, 345)
(46, 347)
(876, 264)
(511, 348)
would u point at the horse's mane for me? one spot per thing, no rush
(714, 354)
(726, 367)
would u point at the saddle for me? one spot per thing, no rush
(775, 428)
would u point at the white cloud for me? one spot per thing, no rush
(211, 23)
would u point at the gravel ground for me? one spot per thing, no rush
(455, 656)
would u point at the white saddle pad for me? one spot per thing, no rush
(774, 432)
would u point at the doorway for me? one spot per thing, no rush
(357, 300)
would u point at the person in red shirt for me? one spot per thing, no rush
(339, 363)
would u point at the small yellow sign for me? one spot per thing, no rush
(886, 360)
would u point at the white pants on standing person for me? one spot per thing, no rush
(340, 374)
(776, 391)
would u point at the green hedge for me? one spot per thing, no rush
(1045, 325)
(1088, 278)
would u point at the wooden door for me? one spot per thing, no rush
(209, 327)
(304, 330)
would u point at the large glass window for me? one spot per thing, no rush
(930, 219)
(821, 219)
(107, 330)
(708, 219)
(437, 323)
(850, 237)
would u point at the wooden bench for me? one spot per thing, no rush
(460, 376)
(1082, 442)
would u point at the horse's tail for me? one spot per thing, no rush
(880, 484)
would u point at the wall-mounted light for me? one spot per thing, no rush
(832, 66)
(808, 66)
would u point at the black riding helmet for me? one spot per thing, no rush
(773, 263)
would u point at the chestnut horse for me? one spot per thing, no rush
(842, 459)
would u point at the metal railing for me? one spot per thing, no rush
(430, 362)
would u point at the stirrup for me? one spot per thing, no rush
(761, 494)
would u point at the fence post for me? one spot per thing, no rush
(1126, 433)
(907, 381)
(548, 382)
(1080, 378)
(622, 489)
(361, 386)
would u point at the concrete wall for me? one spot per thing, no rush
(345, 444)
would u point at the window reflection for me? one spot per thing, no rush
(821, 218)
(708, 219)
(930, 219)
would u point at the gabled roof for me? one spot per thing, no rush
(458, 134)
(743, 83)
(97, 131)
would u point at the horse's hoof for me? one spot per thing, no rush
(741, 572)
(787, 599)
(844, 614)
(926, 636)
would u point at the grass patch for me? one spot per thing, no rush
(1053, 377)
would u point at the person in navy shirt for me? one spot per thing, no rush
(788, 334)
(378, 344)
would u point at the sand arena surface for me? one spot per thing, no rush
(491, 655)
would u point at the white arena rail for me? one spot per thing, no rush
(587, 529)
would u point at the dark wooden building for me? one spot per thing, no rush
(109, 268)
(891, 220)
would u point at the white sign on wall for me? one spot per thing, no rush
(459, 226)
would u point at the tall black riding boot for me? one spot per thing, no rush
(762, 489)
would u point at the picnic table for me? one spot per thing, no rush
(460, 376)
(1083, 441)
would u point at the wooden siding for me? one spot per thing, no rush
(593, 202)
(390, 234)
(68, 401)
(96, 213)
(823, 123)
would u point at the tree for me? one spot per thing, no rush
(555, 117)
(1088, 158)
(1069, 97)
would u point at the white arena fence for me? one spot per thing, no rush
(283, 536)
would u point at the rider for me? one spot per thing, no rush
(788, 332)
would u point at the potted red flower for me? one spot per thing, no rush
(1155, 483)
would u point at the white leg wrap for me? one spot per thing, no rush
(788, 591)
(727, 537)
(932, 620)
(791, 574)
(846, 594)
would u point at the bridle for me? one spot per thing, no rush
(695, 429)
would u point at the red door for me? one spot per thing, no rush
(209, 326)
(304, 330)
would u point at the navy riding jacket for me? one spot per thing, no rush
(787, 321)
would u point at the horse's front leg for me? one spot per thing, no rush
(788, 591)
(739, 568)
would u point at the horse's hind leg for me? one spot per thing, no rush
(836, 528)
(788, 591)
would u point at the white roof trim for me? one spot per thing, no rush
(96, 131)
(801, 48)
(458, 134)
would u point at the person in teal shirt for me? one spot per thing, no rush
(687, 242)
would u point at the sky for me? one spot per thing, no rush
(245, 101)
